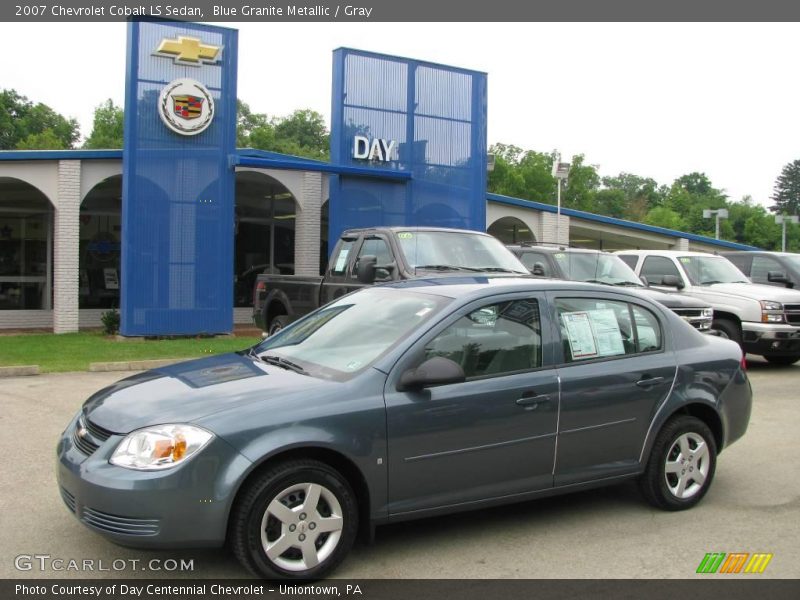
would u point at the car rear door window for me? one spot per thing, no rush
(499, 338)
(339, 262)
(597, 328)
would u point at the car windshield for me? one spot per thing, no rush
(457, 251)
(597, 268)
(348, 335)
(707, 270)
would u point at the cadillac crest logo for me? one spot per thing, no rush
(186, 106)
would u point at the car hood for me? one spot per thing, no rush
(188, 391)
(673, 300)
(755, 291)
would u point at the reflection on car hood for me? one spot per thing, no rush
(672, 300)
(756, 291)
(188, 391)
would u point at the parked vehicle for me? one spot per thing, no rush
(594, 266)
(401, 401)
(376, 255)
(780, 269)
(763, 319)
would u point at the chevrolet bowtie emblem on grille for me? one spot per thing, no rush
(188, 51)
(82, 432)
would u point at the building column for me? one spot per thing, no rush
(306, 226)
(681, 244)
(66, 247)
(549, 233)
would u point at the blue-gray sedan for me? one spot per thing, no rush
(404, 401)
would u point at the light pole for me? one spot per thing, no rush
(782, 220)
(560, 172)
(720, 213)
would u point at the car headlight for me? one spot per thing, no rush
(708, 313)
(159, 447)
(771, 312)
(768, 305)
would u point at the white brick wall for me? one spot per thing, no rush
(548, 231)
(306, 232)
(65, 247)
(681, 244)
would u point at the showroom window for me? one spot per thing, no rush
(26, 240)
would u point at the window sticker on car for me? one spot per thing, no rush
(579, 334)
(561, 255)
(685, 260)
(341, 260)
(405, 235)
(593, 333)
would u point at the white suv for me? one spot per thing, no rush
(763, 319)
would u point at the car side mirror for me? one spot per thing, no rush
(365, 269)
(779, 277)
(538, 269)
(434, 371)
(672, 281)
(385, 272)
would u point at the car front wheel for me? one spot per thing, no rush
(296, 521)
(681, 465)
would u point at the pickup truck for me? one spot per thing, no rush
(763, 319)
(375, 255)
(596, 266)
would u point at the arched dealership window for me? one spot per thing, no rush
(511, 230)
(265, 225)
(100, 244)
(26, 242)
(323, 237)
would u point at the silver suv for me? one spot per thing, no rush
(763, 319)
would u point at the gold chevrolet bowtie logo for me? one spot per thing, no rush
(188, 51)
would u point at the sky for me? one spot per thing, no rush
(656, 99)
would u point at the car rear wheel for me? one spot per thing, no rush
(278, 323)
(681, 465)
(296, 521)
(782, 360)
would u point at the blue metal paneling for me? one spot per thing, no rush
(437, 116)
(178, 191)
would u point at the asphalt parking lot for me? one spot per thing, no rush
(753, 506)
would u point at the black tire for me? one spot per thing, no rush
(277, 324)
(661, 489)
(253, 525)
(782, 360)
(729, 329)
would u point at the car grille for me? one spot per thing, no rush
(693, 316)
(87, 436)
(792, 313)
(116, 524)
(68, 499)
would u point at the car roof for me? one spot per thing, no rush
(459, 286)
(396, 228)
(556, 249)
(667, 252)
(757, 252)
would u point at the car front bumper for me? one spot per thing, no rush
(773, 340)
(186, 506)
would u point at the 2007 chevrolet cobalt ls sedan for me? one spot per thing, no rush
(403, 401)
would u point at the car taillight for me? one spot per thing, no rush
(744, 363)
(260, 287)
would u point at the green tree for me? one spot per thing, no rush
(106, 127)
(661, 216)
(786, 193)
(581, 185)
(522, 174)
(29, 126)
(303, 133)
(639, 196)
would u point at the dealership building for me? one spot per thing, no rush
(173, 228)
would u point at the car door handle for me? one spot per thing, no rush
(650, 381)
(532, 401)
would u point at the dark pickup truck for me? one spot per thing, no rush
(595, 266)
(366, 256)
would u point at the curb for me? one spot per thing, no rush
(19, 371)
(134, 365)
